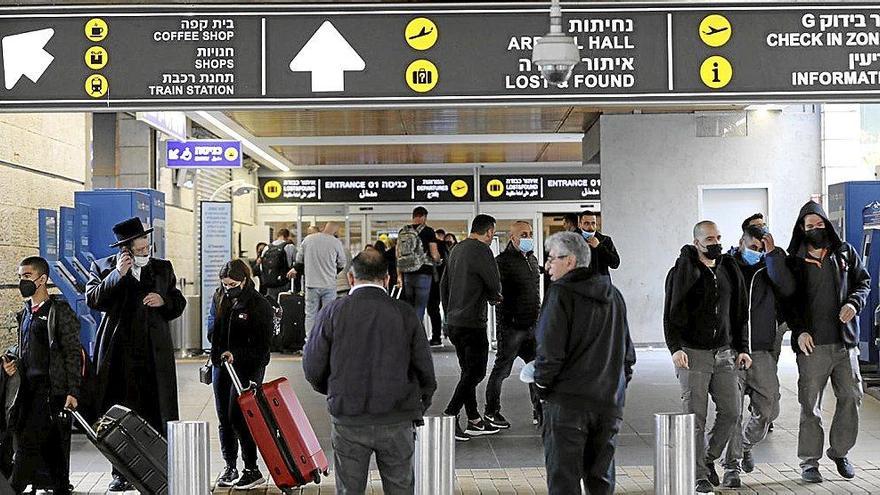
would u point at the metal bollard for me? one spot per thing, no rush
(189, 458)
(674, 454)
(435, 456)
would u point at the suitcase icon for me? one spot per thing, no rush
(422, 76)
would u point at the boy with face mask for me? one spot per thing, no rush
(49, 365)
(704, 319)
(829, 286)
(759, 260)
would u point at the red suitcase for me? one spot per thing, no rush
(282, 432)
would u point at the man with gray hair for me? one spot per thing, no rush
(704, 319)
(370, 356)
(583, 364)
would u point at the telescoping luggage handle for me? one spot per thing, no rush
(236, 382)
(90, 432)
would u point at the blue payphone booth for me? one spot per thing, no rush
(66, 279)
(853, 206)
(157, 219)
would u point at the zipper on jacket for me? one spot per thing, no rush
(751, 292)
(715, 281)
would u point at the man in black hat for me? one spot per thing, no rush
(134, 356)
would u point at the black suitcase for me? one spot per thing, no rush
(134, 448)
(293, 322)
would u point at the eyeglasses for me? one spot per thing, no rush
(554, 258)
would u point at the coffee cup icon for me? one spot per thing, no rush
(97, 30)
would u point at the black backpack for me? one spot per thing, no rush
(274, 266)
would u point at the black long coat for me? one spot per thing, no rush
(105, 293)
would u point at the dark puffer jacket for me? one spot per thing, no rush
(853, 281)
(243, 327)
(764, 298)
(585, 356)
(65, 350)
(691, 316)
(520, 279)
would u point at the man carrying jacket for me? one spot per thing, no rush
(704, 319)
(369, 354)
(602, 251)
(515, 318)
(50, 364)
(760, 262)
(829, 287)
(583, 364)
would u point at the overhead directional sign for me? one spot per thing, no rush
(389, 55)
(540, 187)
(374, 189)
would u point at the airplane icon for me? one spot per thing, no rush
(714, 30)
(421, 33)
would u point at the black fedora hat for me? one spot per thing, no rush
(128, 230)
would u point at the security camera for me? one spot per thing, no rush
(556, 54)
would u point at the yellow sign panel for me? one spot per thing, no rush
(715, 30)
(272, 189)
(495, 188)
(96, 58)
(97, 86)
(421, 33)
(716, 72)
(421, 76)
(459, 188)
(96, 29)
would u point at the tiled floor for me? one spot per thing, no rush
(512, 461)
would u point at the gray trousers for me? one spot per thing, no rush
(841, 365)
(394, 446)
(710, 373)
(761, 384)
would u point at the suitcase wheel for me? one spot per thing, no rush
(316, 476)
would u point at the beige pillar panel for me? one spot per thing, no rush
(26, 148)
(20, 187)
(19, 226)
(10, 256)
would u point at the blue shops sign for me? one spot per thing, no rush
(203, 154)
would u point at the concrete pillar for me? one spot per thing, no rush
(124, 152)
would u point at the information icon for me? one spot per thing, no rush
(716, 72)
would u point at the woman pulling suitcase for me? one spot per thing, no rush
(240, 333)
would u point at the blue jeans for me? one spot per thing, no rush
(232, 427)
(316, 299)
(417, 291)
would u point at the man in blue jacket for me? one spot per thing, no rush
(583, 364)
(829, 286)
(760, 262)
(370, 356)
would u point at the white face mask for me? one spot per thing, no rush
(141, 261)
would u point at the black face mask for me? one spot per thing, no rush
(713, 251)
(234, 292)
(27, 288)
(818, 238)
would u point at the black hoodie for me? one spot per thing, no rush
(853, 281)
(692, 312)
(585, 355)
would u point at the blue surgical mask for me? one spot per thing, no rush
(527, 245)
(752, 257)
(587, 235)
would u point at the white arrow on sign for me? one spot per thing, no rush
(24, 55)
(327, 56)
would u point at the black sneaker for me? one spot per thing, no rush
(537, 418)
(703, 486)
(436, 343)
(713, 475)
(227, 479)
(119, 484)
(497, 420)
(250, 478)
(460, 435)
(748, 462)
(480, 427)
(731, 480)
(812, 475)
(844, 467)
(770, 428)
